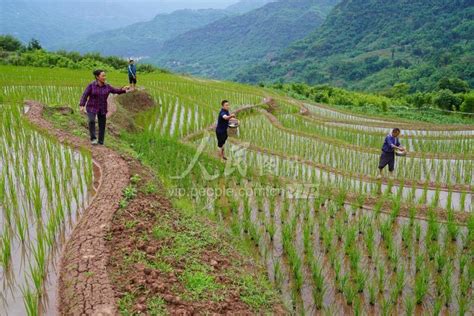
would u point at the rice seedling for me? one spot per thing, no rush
(386, 231)
(360, 279)
(271, 229)
(433, 229)
(339, 228)
(463, 305)
(6, 251)
(349, 293)
(381, 278)
(447, 290)
(278, 275)
(354, 257)
(441, 260)
(328, 240)
(451, 227)
(409, 305)
(372, 291)
(392, 252)
(369, 239)
(342, 283)
(319, 287)
(417, 232)
(437, 306)
(432, 250)
(421, 285)
(406, 236)
(386, 306)
(400, 280)
(350, 239)
(31, 301)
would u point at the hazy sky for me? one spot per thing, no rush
(176, 4)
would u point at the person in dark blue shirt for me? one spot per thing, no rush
(132, 74)
(222, 126)
(388, 151)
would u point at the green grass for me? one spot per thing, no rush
(256, 292)
(125, 305)
(199, 283)
(156, 306)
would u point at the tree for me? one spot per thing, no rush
(400, 89)
(456, 85)
(468, 104)
(34, 44)
(446, 100)
(9, 43)
(420, 99)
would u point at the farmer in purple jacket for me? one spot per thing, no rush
(95, 96)
(388, 151)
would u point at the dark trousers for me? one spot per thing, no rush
(102, 118)
(221, 138)
(387, 159)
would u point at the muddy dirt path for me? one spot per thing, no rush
(84, 286)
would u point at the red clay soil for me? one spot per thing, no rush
(143, 282)
(84, 286)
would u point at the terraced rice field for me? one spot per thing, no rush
(303, 188)
(43, 188)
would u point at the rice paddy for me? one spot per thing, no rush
(43, 186)
(303, 189)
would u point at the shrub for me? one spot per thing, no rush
(10, 44)
(468, 104)
(456, 85)
(447, 100)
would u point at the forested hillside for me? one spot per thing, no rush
(372, 45)
(222, 48)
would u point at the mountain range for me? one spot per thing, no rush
(374, 44)
(227, 45)
(357, 44)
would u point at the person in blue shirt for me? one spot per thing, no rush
(222, 126)
(132, 74)
(388, 151)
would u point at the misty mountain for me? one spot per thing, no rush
(225, 46)
(247, 5)
(145, 38)
(56, 23)
(53, 22)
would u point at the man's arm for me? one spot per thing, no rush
(400, 146)
(394, 143)
(228, 117)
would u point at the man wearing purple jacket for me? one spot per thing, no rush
(95, 96)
